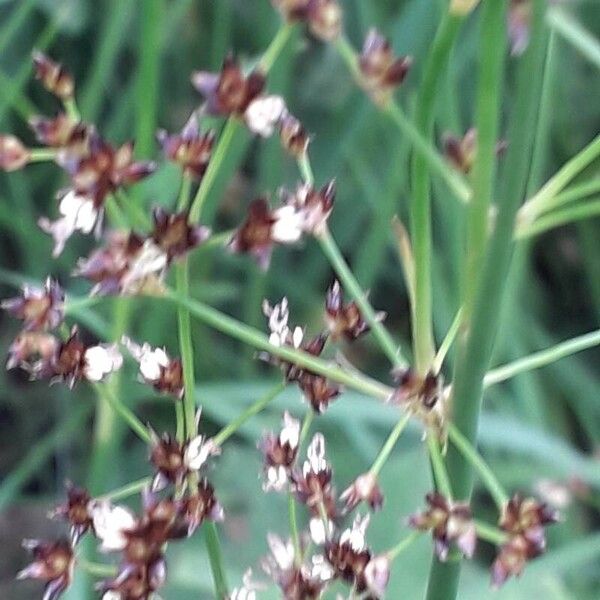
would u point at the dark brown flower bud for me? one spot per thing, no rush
(363, 489)
(462, 152)
(167, 457)
(53, 563)
(61, 132)
(174, 234)
(523, 514)
(344, 320)
(310, 207)
(294, 137)
(381, 71)
(76, 511)
(136, 582)
(349, 554)
(194, 509)
(53, 76)
(40, 309)
(318, 390)
(280, 453)
(228, 92)
(13, 154)
(449, 522)
(190, 149)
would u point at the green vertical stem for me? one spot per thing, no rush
(420, 205)
(476, 345)
(489, 94)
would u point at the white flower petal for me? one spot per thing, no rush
(263, 114)
(110, 522)
(101, 360)
(198, 451)
(288, 226)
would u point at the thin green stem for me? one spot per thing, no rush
(214, 166)
(184, 193)
(387, 448)
(211, 537)
(420, 204)
(447, 342)
(470, 454)
(454, 180)
(96, 569)
(293, 519)
(71, 109)
(442, 480)
(403, 545)
(489, 533)
(575, 192)
(252, 410)
(537, 204)
(179, 421)
(542, 358)
(123, 411)
(136, 215)
(278, 43)
(306, 423)
(381, 334)
(42, 154)
(249, 335)
(130, 489)
(577, 212)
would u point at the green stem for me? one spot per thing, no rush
(489, 533)
(308, 419)
(472, 456)
(436, 162)
(214, 166)
(538, 203)
(387, 448)
(213, 545)
(575, 192)
(381, 334)
(447, 342)
(404, 544)
(106, 393)
(96, 569)
(252, 410)
(294, 528)
(420, 205)
(278, 43)
(42, 154)
(476, 346)
(542, 358)
(128, 490)
(71, 109)
(442, 480)
(240, 331)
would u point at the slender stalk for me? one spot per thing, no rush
(575, 192)
(127, 490)
(537, 204)
(308, 419)
(294, 528)
(404, 544)
(381, 334)
(240, 331)
(442, 480)
(584, 210)
(71, 109)
(107, 394)
(213, 545)
(252, 410)
(454, 180)
(447, 342)
(472, 456)
(96, 569)
(387, 448)
(42, 154)
(489, 93)
(420, 204)
(489, 533)
(476, 346)
(542, 358)
(278, 43)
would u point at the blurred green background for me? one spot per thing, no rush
(132, 61)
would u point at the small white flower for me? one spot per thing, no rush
(320, 568)
(112, 595)
(151, 360)
(264, 114)
(149, 261)
(290, 433)
(110, 523)
(198, 451)
(79, 213)
(276, 478)
(316, 456)
(282, 552)
(248, 589)
(377, 574)
(101, 360)
(355, 536)
(289, 224)
(320, 531)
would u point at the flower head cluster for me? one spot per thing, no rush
(462, 152)
(323, 17)
(449, 522)
(303, 212)
(381, 71)
(13, 154)
(523, 519)
(53, 76)
(317, 389)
